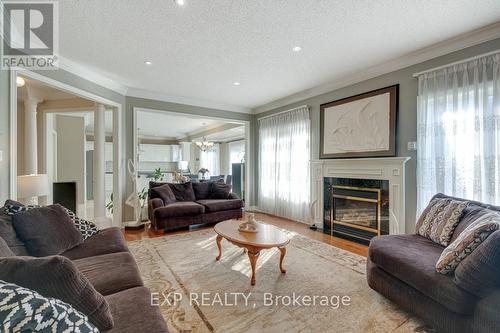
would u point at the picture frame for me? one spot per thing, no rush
(363, 125)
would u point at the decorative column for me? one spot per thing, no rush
(30, 136)
(99, 164)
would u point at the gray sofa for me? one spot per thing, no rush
(104, 259)
(403, 269)
(172, 206)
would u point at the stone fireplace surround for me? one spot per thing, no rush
(391, 169)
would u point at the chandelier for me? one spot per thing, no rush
(204, 144)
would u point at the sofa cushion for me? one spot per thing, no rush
(57, 277)
(412, 259)
(479, 273)
(183, 192)
(440, 218)
(47, 230)
(202, 190)
(219, 190)
(108, 240)
(86, 228)
(217, 205)
(110, 273)
(5, 250)
(180, 208)
(25, 310)
(164, 193)
(467, 242)
(471, 214)
(133, 312)
(9, 235)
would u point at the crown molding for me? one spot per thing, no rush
(463, 41)
(158, 96)
(92, 75)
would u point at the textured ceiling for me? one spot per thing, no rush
(200, 49)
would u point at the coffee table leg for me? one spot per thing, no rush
(253, 256)
(282, 256)
(219, 240)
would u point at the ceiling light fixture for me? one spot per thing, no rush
(204, 144)
(147, 62)
(236, 83)
(20, 82)
(180, 2)
(297, 49)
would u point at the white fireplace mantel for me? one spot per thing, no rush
(386, 168)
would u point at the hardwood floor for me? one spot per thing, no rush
(297, 227)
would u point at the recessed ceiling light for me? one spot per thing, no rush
(180, 2)
(297, 49)
(147, 62)
(236, 83)
(20, 81)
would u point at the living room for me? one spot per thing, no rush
(248, 167)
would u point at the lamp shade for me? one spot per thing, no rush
(32, 185)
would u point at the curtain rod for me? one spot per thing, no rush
(455, 63)
(277, 113)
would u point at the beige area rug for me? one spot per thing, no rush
(184, 266)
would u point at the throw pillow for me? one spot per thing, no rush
(220, 190)
(164, 193)
(183, 192)
(202, 190)
(25, 310)
(46, 231)
(5, 250)
(467, 242)
(86, 228)
(12, 209)
(441, 218)
(58, 277)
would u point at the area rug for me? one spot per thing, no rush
(324, 289)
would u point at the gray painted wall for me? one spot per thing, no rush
(407, 112)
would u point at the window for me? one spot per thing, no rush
(458, 132)
(236, 153)
(284, 164)
(210, 160)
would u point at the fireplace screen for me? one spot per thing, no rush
(356, 207)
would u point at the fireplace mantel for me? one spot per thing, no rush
(389, 168)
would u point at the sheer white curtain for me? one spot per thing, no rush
(458, 132)
(236, 153)
(211, 160)
(284, 164)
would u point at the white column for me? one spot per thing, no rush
(30, 136)
(99, 164)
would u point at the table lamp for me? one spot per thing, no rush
(30, 187)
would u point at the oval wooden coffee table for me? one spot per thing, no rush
(268, 236)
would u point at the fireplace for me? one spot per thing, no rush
(356, 209)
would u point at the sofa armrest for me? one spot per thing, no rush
(152, 205)
(233, 196)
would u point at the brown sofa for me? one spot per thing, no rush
(403, 269)
(104, 259)
(173, 206)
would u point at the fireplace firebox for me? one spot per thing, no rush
(356, 209)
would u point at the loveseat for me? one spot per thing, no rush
(173, 206)
(103, 260)
(403, 269)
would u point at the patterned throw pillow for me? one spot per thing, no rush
(467, 242)
(87, 228)
(440, 220)
(25, 310)
(14, 209)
